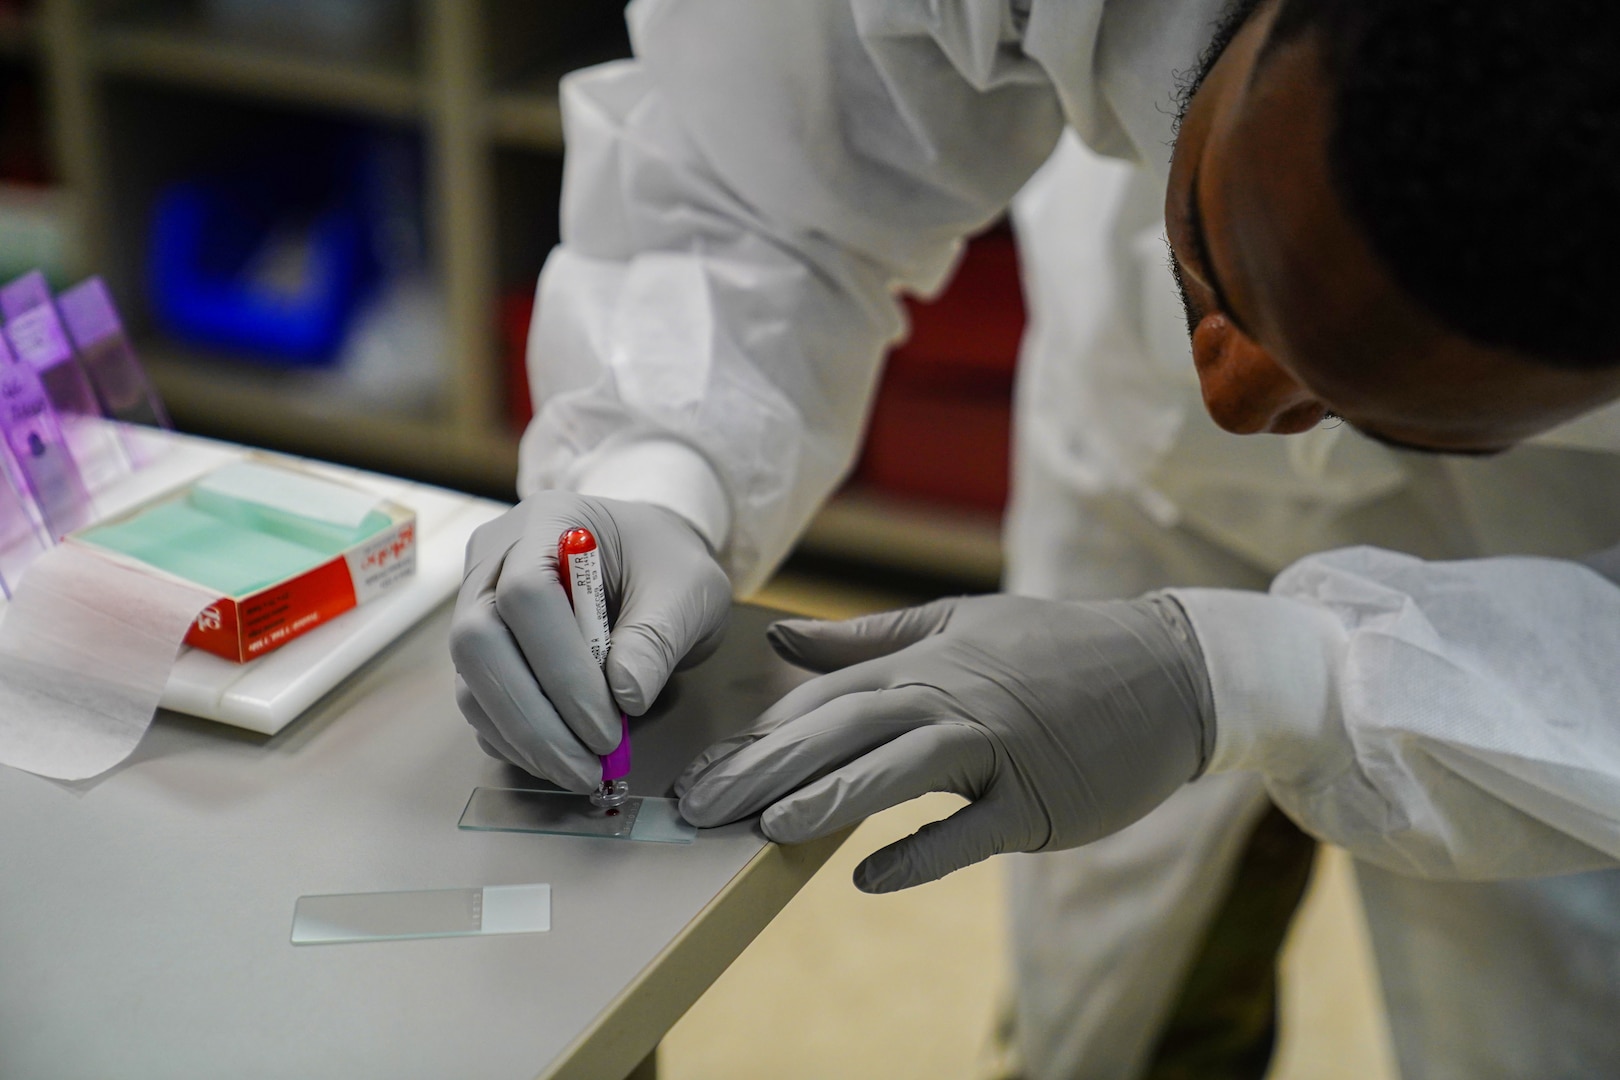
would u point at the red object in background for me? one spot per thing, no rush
(941, 426)
(517, 308)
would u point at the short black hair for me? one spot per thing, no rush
(1225, 28)
(1477, 145)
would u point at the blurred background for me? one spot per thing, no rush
(387, 173)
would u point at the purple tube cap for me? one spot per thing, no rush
(616, 766)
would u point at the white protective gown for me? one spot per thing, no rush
(742, 203)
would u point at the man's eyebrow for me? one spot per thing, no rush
(1200, 242)
(1418, 448)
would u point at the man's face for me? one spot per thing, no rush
(1292, 315)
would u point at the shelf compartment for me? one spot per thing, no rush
(528, 48)
(18, 35)
(528, 187)
(864, 525)
(197, 58)
(530, 119)
(290, 411)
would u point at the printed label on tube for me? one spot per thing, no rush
(582, 579)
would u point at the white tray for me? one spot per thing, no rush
(267, 694)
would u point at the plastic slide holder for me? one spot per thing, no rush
(39, 450)
(120, 382)
(20, 541)
(428, 913)
(563, 813)
(37, 337)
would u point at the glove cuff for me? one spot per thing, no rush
(1174, 617)
(666, 473)
(1271, 664)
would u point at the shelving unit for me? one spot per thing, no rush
(526, 118)
(135, 89)
(112, 68)
(867, 526)
(16, 35)
(190, 56)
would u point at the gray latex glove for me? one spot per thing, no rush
(1062, 722)
(525, 679)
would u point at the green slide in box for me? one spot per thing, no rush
(228, 545)
(285, 549)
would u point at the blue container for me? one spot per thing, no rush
(257, 263)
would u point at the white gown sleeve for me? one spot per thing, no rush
(1440, 719)
(741, 204)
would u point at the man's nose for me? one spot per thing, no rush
(1245, 390)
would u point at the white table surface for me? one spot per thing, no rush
(144, 916)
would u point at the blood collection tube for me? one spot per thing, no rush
(579, 564)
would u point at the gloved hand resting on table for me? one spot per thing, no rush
(525, 679)
(1062, 722)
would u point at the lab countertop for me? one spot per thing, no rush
(144, 916)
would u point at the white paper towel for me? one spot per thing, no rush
(86, 645)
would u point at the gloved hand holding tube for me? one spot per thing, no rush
(1062, 722)
(525, 676)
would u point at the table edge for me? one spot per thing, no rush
(625, 1032)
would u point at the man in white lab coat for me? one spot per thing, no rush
(1359, 224)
